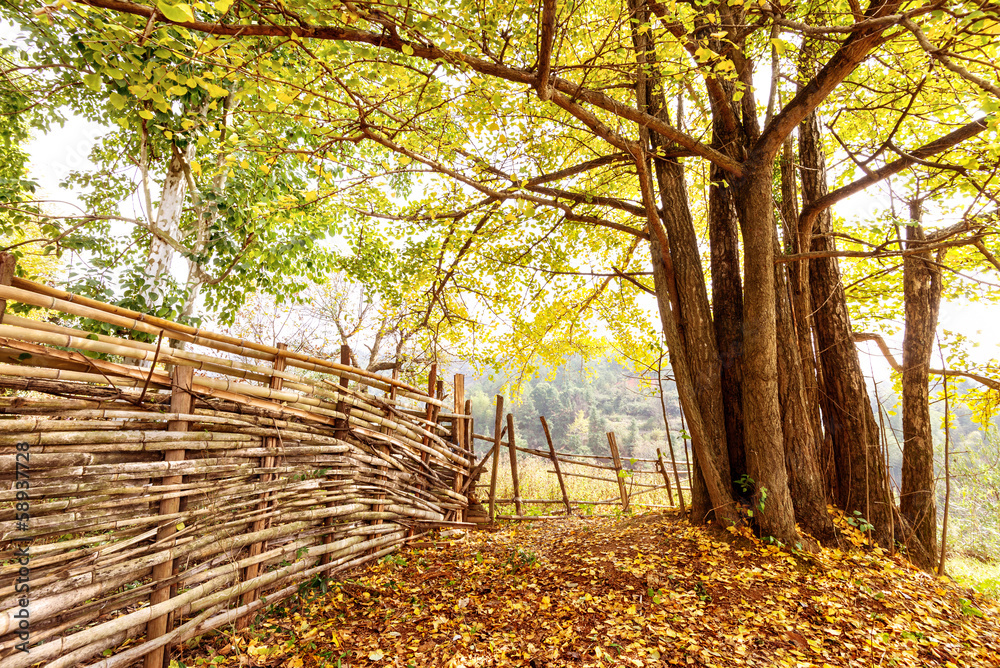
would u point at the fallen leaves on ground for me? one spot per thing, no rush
(645, 591)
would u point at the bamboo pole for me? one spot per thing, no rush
(618, 469)
(43, 296)
(555, 464)
(267, 462)
(497, 435)
(181, 401)
(459, 428)
(512, 447)
(8, 262)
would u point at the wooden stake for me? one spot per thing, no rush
(618, 469)
(555, 464)
(181, 401)
(269, 461)
(459, 430)
(342, 433)
(8, 261)
(470, 451)
(429, 414)
(497, 429)
(513, 462)
(666, 479)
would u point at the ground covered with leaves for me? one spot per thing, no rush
(644, 591)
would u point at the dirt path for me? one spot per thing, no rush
(645, 591)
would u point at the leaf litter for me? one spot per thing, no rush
(645, 591)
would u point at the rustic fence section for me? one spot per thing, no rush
(640, 476)
(179, 478)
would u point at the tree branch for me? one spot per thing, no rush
(809, 213)
(393, 42)
(880, 342)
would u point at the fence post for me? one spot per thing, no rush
(433, 393)
(666, 478)
(497, 430)
(267, 462)
(342, 407)
(181, 401)
(393, 393)
(555, 463)
(459, 430)
(513, 462)
(341, 433)
(470, 453)
(613, 442)
(8, 261)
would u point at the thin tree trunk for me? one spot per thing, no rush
(862, 475)
(922, 298)
(798, 283)
(168, 220)
(805, 481)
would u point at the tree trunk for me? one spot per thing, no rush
(710, 493)
(727, 314)
(761, 408)
(922, 298)
(862, 476)
(168, 221)
(805, 481)
(683, 297)
(798, 284)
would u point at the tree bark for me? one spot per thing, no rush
(683, 296)
(922, 298)
(805, 480)
(168, 219)
(862, 475)
(761, 407)
(727, 314)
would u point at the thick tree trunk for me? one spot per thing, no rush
(922, 298)
(727, 314)
(765, 448)
(862, 476)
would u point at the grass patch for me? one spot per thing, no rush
(983, 576)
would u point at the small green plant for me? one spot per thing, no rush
(763, 498)
(393, 560)
(859, 522)
(968, 609)
(702, 592)
(520, 558)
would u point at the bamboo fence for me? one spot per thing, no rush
(154, 489)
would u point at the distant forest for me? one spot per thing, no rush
(583, 400)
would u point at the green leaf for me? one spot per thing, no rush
(223, 5)
(146, 113)
(407, 49)
(117, 101)
(179, 13)
(93, 81)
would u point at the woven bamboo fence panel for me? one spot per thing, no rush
(149, 493)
